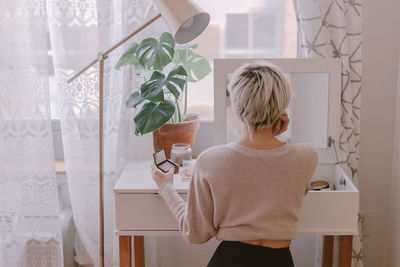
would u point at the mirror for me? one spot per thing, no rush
(308, 111)
(314, 110)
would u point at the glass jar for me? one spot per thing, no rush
(180, 152)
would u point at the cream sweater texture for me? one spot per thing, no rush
(239, 193)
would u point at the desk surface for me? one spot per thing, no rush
(322, 212)
(136, 178)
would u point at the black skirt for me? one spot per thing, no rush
(239, 254)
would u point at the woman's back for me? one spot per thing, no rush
(257, 194)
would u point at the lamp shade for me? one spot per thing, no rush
(184, 18)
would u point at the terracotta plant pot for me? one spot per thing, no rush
(172, 133)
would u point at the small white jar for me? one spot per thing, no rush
(180, 152)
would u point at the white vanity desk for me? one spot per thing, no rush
(140, 211)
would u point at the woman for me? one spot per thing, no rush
(247, 193)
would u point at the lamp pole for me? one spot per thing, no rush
(101, 157)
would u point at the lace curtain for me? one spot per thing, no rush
(30, 230)
(29, 208)
(78, 31)
(332, 29)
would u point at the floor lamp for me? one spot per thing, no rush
(186, 20)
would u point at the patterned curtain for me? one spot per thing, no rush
(30, 230)
(332, 29)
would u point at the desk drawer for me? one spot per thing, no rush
(143, 212)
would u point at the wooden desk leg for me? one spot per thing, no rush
(346, 248)
(139, 251)
(125, 248)
(327, 251)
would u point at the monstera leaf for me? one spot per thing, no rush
(129, 57)
(134, 100)
(151, 56)
(196, 66)
(152, 116)
(153, 89)
(156, 54)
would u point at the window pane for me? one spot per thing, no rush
(242, 29)
(237, 25)
(267, 28)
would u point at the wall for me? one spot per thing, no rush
(381, 41)
(394, 247)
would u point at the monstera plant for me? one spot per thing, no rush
(166, 69)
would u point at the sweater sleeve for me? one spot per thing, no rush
(195, 217)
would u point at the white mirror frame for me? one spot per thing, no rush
(222, 66)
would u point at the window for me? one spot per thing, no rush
(241, 29)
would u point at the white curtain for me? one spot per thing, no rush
(332, 29)
(30, 231)
(78, 31)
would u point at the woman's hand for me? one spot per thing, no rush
(281, 124)
(160, 177)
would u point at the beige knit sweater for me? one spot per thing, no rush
(238, 193)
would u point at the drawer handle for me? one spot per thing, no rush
(157, 195)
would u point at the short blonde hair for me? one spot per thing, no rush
(259, 93)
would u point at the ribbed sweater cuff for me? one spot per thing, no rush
(166, 186)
